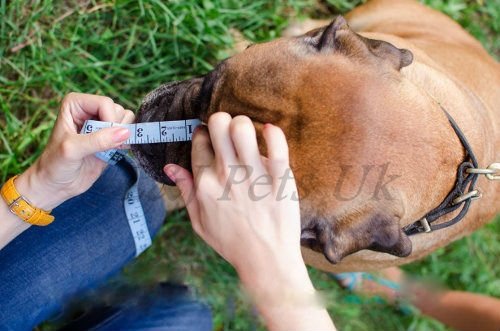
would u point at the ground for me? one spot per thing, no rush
(124, 49)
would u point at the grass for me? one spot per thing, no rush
(124, 49)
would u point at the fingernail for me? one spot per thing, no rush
(198, 129)
(120, 135)
(169, 171)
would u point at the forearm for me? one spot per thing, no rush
(11, 225)
(298, 312)
(67, 166)
(286, 299)
(298, 319)
(28, 185)
(461, 310)
(260, 237)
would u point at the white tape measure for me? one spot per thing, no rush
(141, 133)
(150, 132)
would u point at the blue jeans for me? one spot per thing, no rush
(166, 307)
(90, 241)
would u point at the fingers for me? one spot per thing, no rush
(219, 125)
(185, 183)
(118, 114)
(245, 142)
(82, 107)
(202, 153)
(122, 115)
(128, 117)
(277, 147)
(277, 150)
(85, 106)
(234, 142)
(102, 140)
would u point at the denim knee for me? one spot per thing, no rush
(167, 308)
(89, 241)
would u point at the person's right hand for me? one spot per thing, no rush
(67, 166)
(239, 201)
(252, 219)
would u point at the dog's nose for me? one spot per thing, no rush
(320, 240)
(337, 238)
(308, 239)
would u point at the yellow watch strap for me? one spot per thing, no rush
(21, 206)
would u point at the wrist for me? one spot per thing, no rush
(284, 281)
(31, 185)
(286, 299)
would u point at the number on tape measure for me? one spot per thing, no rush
(150, 132)
(88, 128)
(141, 133)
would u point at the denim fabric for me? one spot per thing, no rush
(89, 241)
(166, 308)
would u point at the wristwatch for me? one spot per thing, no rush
(22, 207)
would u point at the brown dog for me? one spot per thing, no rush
(371, 147)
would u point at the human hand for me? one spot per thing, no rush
(242, 204)
(67, 166)
(245, 206)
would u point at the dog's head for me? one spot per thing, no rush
(363, 141)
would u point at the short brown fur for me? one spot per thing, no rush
(357, 106)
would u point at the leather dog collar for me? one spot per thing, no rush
(461, 195)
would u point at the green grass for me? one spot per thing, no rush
(124, 49)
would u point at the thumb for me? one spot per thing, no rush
(185, 183)
(102, 140)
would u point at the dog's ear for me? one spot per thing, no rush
(188, 99)
(338, 36)
(398, 57)
(328, 39)
(337, 240)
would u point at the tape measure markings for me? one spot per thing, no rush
(150, 132)
(141, 133)
(135, 215)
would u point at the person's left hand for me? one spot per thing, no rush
(67, 166)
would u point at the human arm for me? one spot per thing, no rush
(247, 223)
(67, 167)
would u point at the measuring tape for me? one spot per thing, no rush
(141, 133)
(150, 132)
